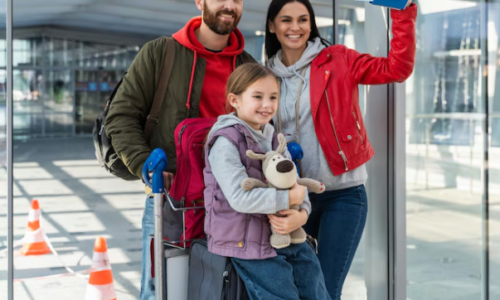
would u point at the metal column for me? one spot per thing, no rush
(335, 35)
(385, 267)
(485, 257)
(10, 170)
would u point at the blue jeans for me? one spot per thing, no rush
(337, 220)
(295, 274)
(148, 228)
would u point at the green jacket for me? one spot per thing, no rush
(132, 102)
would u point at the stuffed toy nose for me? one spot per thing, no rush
(284, 166)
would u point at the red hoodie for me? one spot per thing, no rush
(218, 67)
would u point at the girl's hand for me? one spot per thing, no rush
(408, 5)
(294, 220)
(296, 194)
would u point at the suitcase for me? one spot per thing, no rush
(177, 261)
(212, 277)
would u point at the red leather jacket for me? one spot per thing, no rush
(335, 75)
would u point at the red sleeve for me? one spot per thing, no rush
(398, 66)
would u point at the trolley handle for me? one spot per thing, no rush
(157, 162)
(171, 200)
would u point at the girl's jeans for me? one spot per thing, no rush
(337, 220)
(295, 274)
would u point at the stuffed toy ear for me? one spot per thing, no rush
(282, 143)
(254, 155)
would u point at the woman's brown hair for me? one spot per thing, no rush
(243, 77)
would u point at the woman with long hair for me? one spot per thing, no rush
(319, 109)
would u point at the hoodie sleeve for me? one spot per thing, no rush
(229, 172)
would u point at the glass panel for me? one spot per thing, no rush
(254, 45)
(445, 119)
(494, 150)
(3, 52)
(108, 81)
(58, 52)
(28, 102)
(3, 163)
(351, 27)
(27, 52)
(351, 33)
(93, 55)
(58, 102)
(86, 97)
(93, 89)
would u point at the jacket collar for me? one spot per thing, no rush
(323, 57)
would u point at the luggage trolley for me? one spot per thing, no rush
(175, 259)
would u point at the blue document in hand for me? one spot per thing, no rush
(397, 4)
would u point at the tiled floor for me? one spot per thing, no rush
(80, 201)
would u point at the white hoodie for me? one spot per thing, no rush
(314, 164)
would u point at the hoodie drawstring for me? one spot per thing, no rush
(304, 81)
(234, 62)
(188, 105)
(285, 80)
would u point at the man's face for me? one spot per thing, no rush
(222, 17)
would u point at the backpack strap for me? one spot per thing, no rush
(154, 113)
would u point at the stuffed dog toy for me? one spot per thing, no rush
(281, 173)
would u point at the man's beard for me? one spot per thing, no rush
(218, 26)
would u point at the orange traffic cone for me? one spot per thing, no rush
(34, 241)
(100, 286)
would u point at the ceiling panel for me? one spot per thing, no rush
(148, 17)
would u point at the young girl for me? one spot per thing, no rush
(236, 222)
(320, 110)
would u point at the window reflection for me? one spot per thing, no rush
(445, 152)
(51, 97)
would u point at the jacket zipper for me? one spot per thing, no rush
(341, 153)
(226, 282)
(359, 127)
(181, 132)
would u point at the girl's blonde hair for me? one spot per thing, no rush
(244, 76)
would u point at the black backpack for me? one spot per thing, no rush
(104, 151)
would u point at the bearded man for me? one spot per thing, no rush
(207, 49)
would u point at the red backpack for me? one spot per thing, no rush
(187, 188)
(188, 185)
